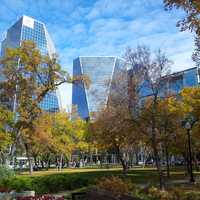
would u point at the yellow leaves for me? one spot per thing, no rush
(83, 146)
(5, 140)
(172, 104)
(35, 75)
(59, 133)
(6, 119)
(187, 102)
(6, 122)
(191, 100)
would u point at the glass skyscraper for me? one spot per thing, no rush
(100, 70)
(27, 28)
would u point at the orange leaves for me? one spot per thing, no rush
(192, 9)
(114, 185)
(113, 128)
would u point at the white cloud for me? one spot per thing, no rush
(104, 27)
(120, 8)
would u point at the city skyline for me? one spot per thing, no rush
(103, 28)
(27, 28)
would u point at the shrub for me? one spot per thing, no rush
(174, 194)
(18, 184)
(43, 197)
(50, 183)
(192, 196)
(113, 185)
(5, 173)
(156, 194)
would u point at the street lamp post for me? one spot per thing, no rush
(188, 127)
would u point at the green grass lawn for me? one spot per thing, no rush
(54, 181)
(67, 170)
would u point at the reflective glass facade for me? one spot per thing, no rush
(27, 28)
(174, 83)
(100, 71)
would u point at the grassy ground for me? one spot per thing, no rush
(68, 170)
(141, 176)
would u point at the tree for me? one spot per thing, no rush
(191, 101)
(167, 126)
(192, 10)
(55, 135)
(187, 105)
(40, 139)
(137, 60)
(68, 135)
(28, 76)
(153, 68)
(113, 128)
(6, 123)
(191, 109)
(190, 22)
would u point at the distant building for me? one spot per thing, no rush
(100, 70)
(27, 28)
(172, 84)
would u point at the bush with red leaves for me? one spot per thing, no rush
(4, 189)
(42, 197)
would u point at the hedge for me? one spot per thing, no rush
(52, 183)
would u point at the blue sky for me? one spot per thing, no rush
(103, 27)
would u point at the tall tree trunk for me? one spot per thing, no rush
(123, 161)
(49, 164)
(154, 145)
(124, 165)
(42, 163)
(167, 160)
(136, 157)
(61, 161)
(158, 166)
(29, 159)
(91, 158)
(188, 163)
(187, 159)
(185, 163)
(17, 133)
(47, 159)
(196, 162)
(35, 160)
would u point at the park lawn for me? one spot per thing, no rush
(66, 170)
(53, 181)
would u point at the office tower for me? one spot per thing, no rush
(27, 28)
(100, 70)
(172, 84)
